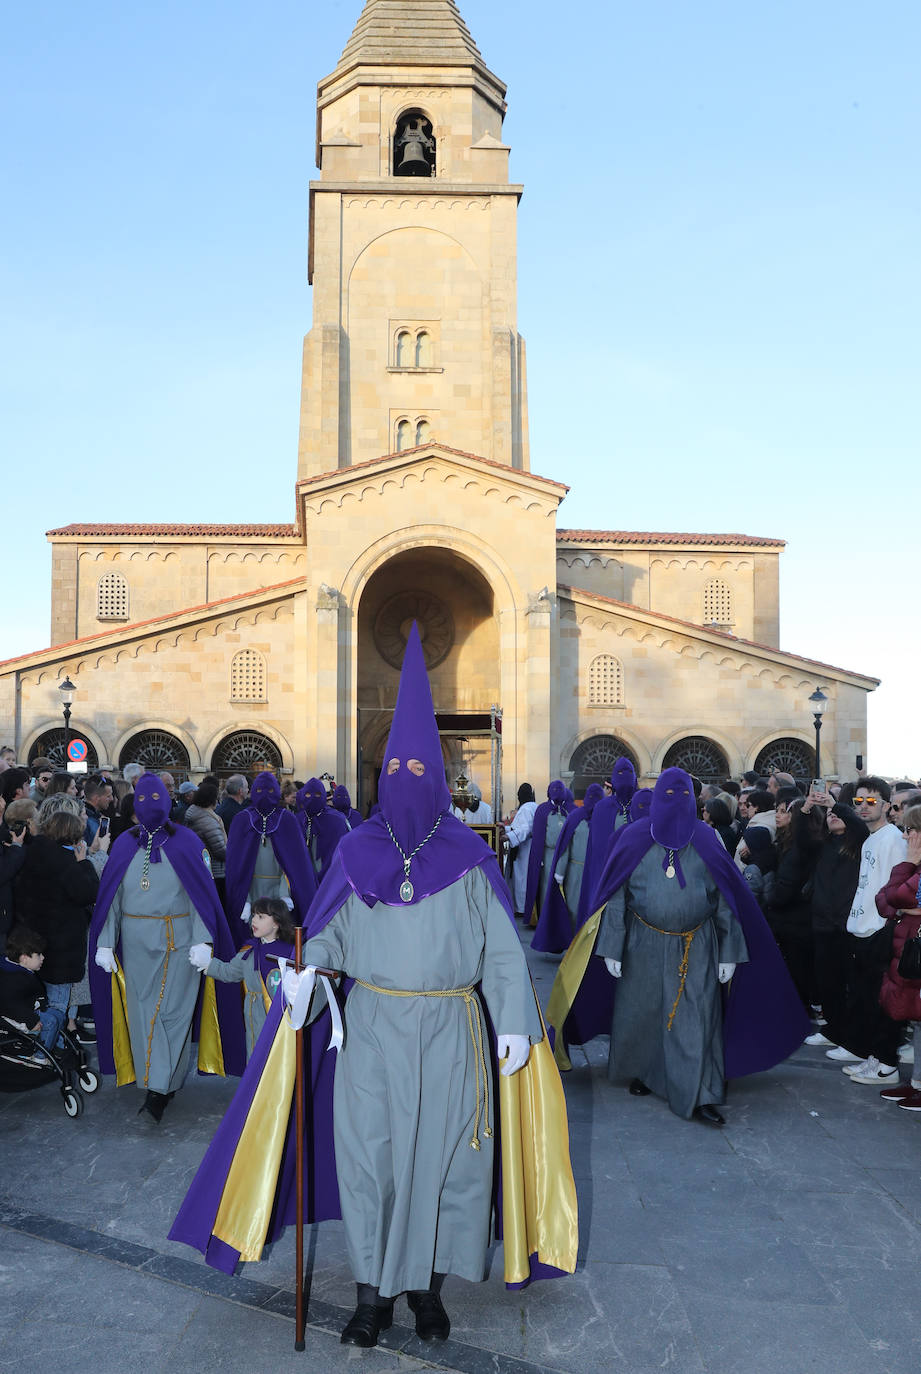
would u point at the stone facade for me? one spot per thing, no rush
(239, 645)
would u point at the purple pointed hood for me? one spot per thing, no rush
(556, 794)
(673, 815)
(623, 780)
(341, 799)
(640, 803)
(593, 794)
(265, 793)
(152, 807)
(312, 797)
(411, 803)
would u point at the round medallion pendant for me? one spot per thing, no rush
(406, 891)
(272, 982)
(670, 871)
(145, 883)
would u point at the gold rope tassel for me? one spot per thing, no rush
(686, 936)
(475, 1029)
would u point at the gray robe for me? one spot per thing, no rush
(161, 985)
(684, 1064)
(415, 1195)
(240, 970)
(571, 865)
(268, 876)
(555, 822)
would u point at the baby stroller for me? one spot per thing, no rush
(26, 1063)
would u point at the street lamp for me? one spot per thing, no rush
(67, 690)
(819, 703)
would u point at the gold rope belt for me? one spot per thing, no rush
(170, 947)
(475, 1027)
(687, 936)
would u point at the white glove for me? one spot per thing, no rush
(726, 971)
(246, 913)
(288, 903)
(514, 1049)
(614, 967)
(297, 989)
(559, 878)
(106, 960)
(200, 956)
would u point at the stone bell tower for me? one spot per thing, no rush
(412, 252)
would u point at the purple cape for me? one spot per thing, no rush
(556, 801)
(555, 927)
(321, 826)
(243, 843)
(342, 803)
(184, 850)
(763, 1017)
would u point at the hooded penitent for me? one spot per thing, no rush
(266, 822)
(556, 803)
(411, 850)
(342, 802)
(764, 1020)
(555, 925)
(609, 815)
(156, 836)
(322, 827)
(640, 803)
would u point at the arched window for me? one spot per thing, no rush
(247, 752)
(698, 756)
(50, 745)
(404, 436)
(248, 676)
(786, 756)
(403, 354)
(605, 681)
(413, 146)
(595, 758)
(112, 597)
(423, 432)
(423, 349)
(158, 751)
(717, 603)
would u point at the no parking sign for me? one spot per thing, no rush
(76, 756)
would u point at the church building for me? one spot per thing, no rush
(551, 650)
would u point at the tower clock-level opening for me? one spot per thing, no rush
(453, 605)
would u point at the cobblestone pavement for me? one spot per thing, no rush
(786, 1242)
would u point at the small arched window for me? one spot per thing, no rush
(112, 597)
(248, 676)
(404, 349)
(423, 349)
(423, 432)
(605, 681)
(717, 603)
(404, 436)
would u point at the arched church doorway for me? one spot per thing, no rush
(453, 605)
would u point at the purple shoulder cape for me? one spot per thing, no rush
(287, 842)
(554, 926)
(763, 1017)
(604, 819)
(536, 856)
(328, 828)
(184, 850)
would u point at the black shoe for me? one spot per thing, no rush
(638, 1088)
(85, 1035)
(154, 1106)
(709, 1116)
(367, 1323)
(432, 1323)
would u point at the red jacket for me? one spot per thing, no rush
(898, 997)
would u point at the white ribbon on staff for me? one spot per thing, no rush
(299, 1007)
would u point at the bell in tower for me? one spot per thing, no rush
(413, 146)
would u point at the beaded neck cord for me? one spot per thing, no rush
(406, 887)
(671, 865)
(145, 875)
(265, 823)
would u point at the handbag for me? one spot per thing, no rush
(910, 960)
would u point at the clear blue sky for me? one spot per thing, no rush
(718, 281)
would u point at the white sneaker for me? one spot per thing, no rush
(906, 1054)
(884, 1074)
(818, 1039)
(839, 1052)
(860, 1067)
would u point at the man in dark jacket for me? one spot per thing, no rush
(12, 858)
(233, 800)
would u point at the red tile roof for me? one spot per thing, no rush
(164, 531)
(426, 448)
(732, 640)
(658, 537)
(131, 626)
